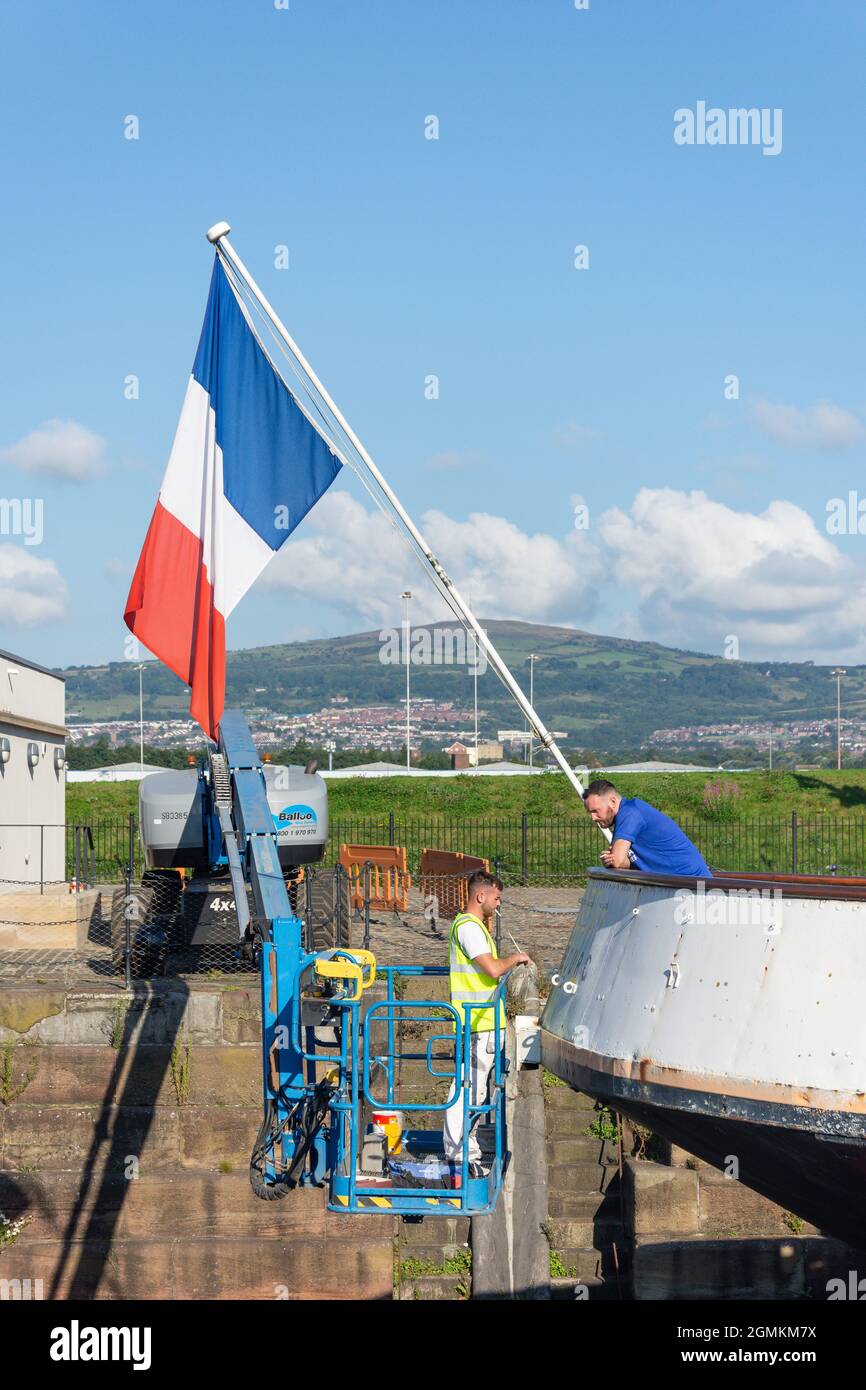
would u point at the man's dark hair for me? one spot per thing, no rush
(599, 788)
(482, 879)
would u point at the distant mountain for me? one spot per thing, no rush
(608, 693)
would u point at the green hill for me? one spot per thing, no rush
(608, 693)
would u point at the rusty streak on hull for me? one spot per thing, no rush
(644, 1070)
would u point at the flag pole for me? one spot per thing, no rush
(218, 237)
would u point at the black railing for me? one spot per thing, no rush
(530, 848)
(524, 848)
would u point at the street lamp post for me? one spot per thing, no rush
(839, 672)
(407, 633)
(475, 691)
(532, 660)
(140, 670)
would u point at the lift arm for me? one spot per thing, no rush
(246, 824)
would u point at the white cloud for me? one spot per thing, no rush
(58, 449)
(451, 459)
(702, 570)
(571, 437)
(354, 560)
(114, 568)
(822, 426)
(31, 589)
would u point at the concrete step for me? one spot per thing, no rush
(435, 1252)
(564, 1176)
(453, 1230)
(588, 1261)
(564, 1098)
(585, 1260)
(591, 1290)
(577, 1148)
(576, 1238)
(173, 1203)
(582, 1205)
(574, 1124)
(195, 1267)
(589, 1229)
(435, 1287)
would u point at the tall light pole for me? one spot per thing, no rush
(140, 670)
(407, 632)
(532, 660)
(475, 690)
(839, 672)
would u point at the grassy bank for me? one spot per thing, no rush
(679, 794)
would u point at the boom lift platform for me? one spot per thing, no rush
(334, 1022)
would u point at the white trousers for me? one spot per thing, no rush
(482, 1058)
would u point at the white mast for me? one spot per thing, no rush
(218, 236)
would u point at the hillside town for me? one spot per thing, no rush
(819, 734)
(339, 725)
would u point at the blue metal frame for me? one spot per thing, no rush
(475, 1196)
(296, 1072)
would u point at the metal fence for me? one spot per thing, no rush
(533, 849)
(524, 849)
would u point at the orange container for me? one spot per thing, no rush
(389, 1123)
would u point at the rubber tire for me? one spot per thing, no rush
(147, 935)
(167, 888)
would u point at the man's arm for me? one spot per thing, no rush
(617, 856)
(497, 968)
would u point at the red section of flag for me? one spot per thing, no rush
(170, 609)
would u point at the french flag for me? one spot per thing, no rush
(246, 466)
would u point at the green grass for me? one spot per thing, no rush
(738, 821)
(760, 793)
(87, 802)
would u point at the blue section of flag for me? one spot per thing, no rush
(275, 465)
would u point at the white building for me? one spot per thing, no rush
(32, 773)
(115, 772)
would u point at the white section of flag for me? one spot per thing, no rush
(233, 554)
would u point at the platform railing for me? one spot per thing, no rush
(349, 1191)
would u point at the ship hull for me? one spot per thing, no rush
(738, 1036)
(817, 1173)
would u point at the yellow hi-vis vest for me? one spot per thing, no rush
(469, 984)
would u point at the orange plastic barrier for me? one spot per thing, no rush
(444, 876)
(389, 879)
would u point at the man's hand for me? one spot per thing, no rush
(617, 856)
(497, 968)
(518, 958)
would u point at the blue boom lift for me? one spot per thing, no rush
(334, 1021)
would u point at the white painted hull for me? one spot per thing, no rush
(733, 1024)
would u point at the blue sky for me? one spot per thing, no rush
(454, 257)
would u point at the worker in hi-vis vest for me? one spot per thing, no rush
(475, 971)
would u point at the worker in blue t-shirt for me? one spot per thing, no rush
(643, 838)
